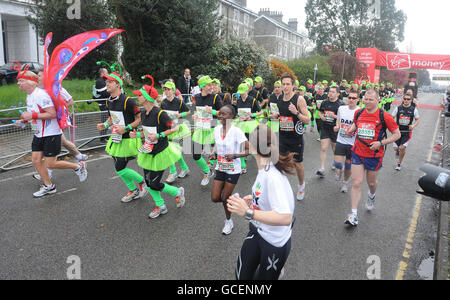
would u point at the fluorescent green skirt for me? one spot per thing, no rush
(162, 160)
(127, 148)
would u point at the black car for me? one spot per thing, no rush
(8, 75)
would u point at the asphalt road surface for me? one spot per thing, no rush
(118, 241)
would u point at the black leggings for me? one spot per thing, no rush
(259, 260)
(121, 163)
(153, 180)
(197, 150)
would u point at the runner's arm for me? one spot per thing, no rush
(50, 113)
(303, 109)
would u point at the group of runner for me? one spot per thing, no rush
(229, 129)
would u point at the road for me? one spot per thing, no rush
(118, 241)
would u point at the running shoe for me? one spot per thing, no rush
(370, 204)
(352, 220)
(132, 195)
(171, 178)
(244, 171)
(398, 168)
(82, 171)
(38, 177)
(181, 200)
(158, 211)
(207, 177)
(45, 190)
(339, 175)
(301, 195)
(321, 173)
(142, 190)
(333, 167)
(344, 188)
(84, 157)
(183, 174)
(228, 228)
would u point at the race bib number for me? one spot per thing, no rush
(148, 146)
(328, 117)
(319, 103)
(204, 119)
(117, 118)
(274, 108)
(366, 132)
(287, 124)
(244, 114)
(34, 126)
(404, 120)
(115, 136)
(224, 165)
(173, 115)
(343, 130)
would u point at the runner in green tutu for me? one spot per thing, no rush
(248, 110)
(124, 117)
(176, 109)
(207, 104)
(157, 153)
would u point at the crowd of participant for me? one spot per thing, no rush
(229, 127)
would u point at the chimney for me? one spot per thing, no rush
(264, 12)
(277, 16)
(293, 24)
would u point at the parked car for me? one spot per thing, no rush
(8, 75)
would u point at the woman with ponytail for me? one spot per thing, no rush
(270, 210)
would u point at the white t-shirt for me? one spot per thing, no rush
(346, 116)
(272, 192)
(230, 145)
(43, 128)
(65, 95)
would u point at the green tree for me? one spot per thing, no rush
(51, 16)
(164, 37)
(345, 25)
(304, 68)
(234, 60)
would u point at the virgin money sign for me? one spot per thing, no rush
(403, 61)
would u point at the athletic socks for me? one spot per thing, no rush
(203, 165)
(243, 163)
(156, 195)
(129, 177)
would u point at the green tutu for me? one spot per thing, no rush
(184, 132)
(247, 126)
(203, 137)
(274, 125)
(162, 160)
(127, 148)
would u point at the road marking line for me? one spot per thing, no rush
(114, 178)
(68, 191)
(403, 266)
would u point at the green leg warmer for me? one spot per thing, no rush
(243, 163)
(171, 190)
(129, 177)
(159, 201)
(183, 164)
(173, 169)
(203, 165)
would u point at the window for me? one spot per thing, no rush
(280, 49)
(235, 30)
(236, 15)
(246, 19)
(285, 50)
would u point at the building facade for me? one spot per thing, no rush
(18, 39)
(281, 40)
(237, 20)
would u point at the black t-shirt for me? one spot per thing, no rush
(328, 106)
(165, 123)
(211, 100)
(261, 94)
(405, 115)
(291, 128)
(251, 103)
(318, 99)
(176, 104)
(127, 107)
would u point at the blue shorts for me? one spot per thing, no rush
(370, 164)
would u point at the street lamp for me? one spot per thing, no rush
(316, 68)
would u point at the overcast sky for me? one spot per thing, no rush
(426, 30)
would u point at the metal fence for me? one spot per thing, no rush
(15, 142)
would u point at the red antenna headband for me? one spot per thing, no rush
(16, 66)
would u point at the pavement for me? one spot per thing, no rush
(118, 241)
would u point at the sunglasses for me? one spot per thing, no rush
(407, 99)
(353, 98)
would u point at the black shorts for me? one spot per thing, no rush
(228, 178)
(296, 146)
(404, 139)
(50, 145)
(328, 133)
(343, 150)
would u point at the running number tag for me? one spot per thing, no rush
(244, 114)
(366, 131)
(224, 165)
(118, 120)
(34, 126)
(204, 119)
(287, 124)
(343, 130)
(404, 120)
(173, 115)
(147, 147)
(274, 108)
(319, 103)
(329, 117)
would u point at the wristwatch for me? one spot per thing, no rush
(249, 214)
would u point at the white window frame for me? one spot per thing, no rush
(236, 14)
